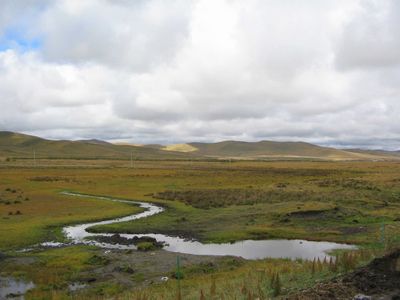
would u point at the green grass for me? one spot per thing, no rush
(211, 201)
(57, 267)
(43, 215)
(146, 246)
(235, 279)
(60, 267)
(215, 202)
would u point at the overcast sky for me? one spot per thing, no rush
(157, 71)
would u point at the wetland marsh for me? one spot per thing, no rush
(205, 205)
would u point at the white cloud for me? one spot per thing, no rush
(156, 71)
(370, 39)
(137, 35)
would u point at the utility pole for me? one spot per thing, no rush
(178, 276)
(131, 159)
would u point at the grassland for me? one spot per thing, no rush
(211, 201)
(32, 210)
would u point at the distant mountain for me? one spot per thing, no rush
(94, 141)
(270, 150)
(22, 145)
(375, 152)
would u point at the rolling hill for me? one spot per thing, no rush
(271, 149)
(22, 145)
(277, 150)
(375, 152)
(19, 145)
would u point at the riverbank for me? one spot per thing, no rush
(101, 272)
(104, 274)
(380, 279)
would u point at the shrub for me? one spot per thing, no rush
(146, 246)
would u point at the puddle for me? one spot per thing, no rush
(75, 286)
(11, 288)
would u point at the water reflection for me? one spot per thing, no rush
(249, 249)
(14, 288)
(75, 286)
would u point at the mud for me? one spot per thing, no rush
(353, 230)
(311, 214)
(116, 239)
(135, 269)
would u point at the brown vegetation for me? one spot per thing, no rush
(379, 278)
(209, 198)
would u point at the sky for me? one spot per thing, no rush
(156, 71)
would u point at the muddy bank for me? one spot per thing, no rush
(125, 269)
(143, 243)
(379, 279)
(136, 269)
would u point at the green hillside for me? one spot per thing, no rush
(264, 149)
(22, 145)
(17, 145)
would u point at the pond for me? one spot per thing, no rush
(12, 288)
(248, 249)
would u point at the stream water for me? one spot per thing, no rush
(249, 249)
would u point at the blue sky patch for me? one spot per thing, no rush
(18, 40)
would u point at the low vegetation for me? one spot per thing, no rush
(265, 279)
(351, 202)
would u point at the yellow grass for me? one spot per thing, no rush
(180, 148)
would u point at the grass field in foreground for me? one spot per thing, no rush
(211, 201)
(219, 202)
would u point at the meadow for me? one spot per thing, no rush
(212, 201)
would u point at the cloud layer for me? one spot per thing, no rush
(162, 72)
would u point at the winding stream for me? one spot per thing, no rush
(249, 249)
